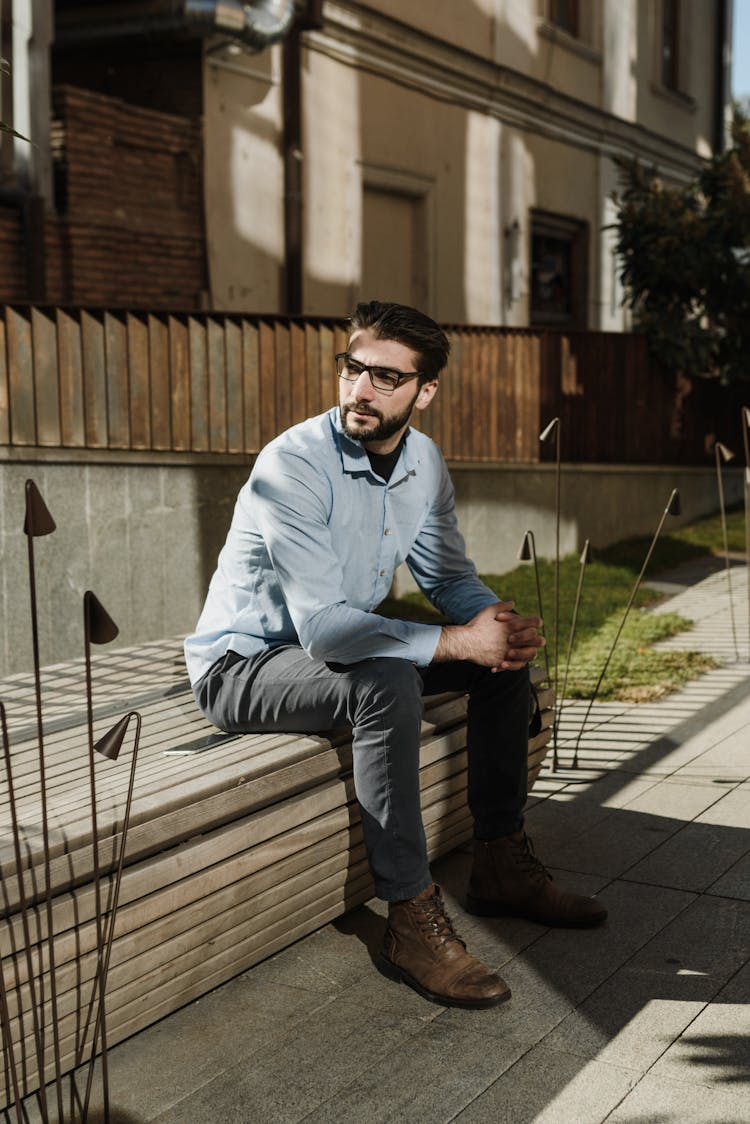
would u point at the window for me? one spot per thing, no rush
(564, 14)
(559, 252)
(670, 30)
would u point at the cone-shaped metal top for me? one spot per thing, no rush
(674, 507)
(111, 744)
(38, 520)
(99, 624)
(525, 554)
(549, 430)
(725, 453)
(586, 553)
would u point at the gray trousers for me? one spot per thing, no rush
(381, 699)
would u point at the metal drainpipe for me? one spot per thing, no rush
(256, 25)
(311, 18)
(721, 79)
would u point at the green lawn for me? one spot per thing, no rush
(637, 672)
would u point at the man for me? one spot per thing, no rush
(288, 641)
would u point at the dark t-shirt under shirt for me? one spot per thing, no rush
(383, 464)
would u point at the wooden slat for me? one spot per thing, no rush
(200, 441)
(70, 361)
(217, 386)
(46, 382)
(282, 376)
(20, 378)
(118, 404)
(93, 356)
(251, 387)
(139, 379)
(179, 383)
(312, 366)
(298, 366)
(158, 362)
(329, 391)
(235, 437)
(4, 389)
(267, 374)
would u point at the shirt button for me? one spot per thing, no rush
(382, 573)
(388, 530)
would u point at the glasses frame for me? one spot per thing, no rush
(400, 376)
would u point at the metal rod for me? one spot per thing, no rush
(746, 443)
(672, 508)
(585, 557)
(554, 427)
(116, 894)
(9, 1050)
(30, 531)
(723, 453)
(88, 608)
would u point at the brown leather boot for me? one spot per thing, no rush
(507, 879)
(422, 949)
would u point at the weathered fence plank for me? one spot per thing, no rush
(205, 383)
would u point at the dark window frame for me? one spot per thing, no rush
(565, 15)
(669, 45)
(573, 237)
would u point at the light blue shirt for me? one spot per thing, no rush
(314, 542)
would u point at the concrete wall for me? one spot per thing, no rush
(144, 537)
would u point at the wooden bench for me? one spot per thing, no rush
(234, 851)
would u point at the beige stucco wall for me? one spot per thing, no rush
(474, 112)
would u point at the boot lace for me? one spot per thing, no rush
(433, 919)
(525, 856)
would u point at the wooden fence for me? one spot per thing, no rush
(210, 383)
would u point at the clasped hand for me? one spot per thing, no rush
(503, 641)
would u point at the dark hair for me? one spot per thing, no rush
(409, 326)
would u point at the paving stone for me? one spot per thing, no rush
(433, 1080)
(168, 1061)
(736, 882)
(694, 857)
(288, 1079)
(712, 1050)
(551, 1087)
(656, 1101)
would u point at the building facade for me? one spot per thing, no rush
(458, 155)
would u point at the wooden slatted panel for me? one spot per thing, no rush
(118, 398)
(20, 377)
(329, 389)
(217, 386)
(251, 386)
(70, 361)
(200, 441)
(313, 387)
(158, 361)
(298, 363)
(179, 383)
(235, 439)
(266, 371)
(45, 375)
(282, 376)
(139, 379)
(94, 359)
(4, 388)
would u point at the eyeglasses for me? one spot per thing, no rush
(382, 378)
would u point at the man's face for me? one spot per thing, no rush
(378, 420)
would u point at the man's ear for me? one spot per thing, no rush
(427, 392)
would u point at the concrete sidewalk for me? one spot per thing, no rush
(645, 1020)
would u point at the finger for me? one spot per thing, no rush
(517, 622)
(511, 665)
(523, 654)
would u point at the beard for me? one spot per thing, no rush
(385, 428)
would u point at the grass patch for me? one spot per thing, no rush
(637, 671)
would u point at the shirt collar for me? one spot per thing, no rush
(355, 459)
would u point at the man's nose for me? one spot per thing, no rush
(363, 387)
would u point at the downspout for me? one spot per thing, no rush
(722, 63)
(256, 25)
(293, 159)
